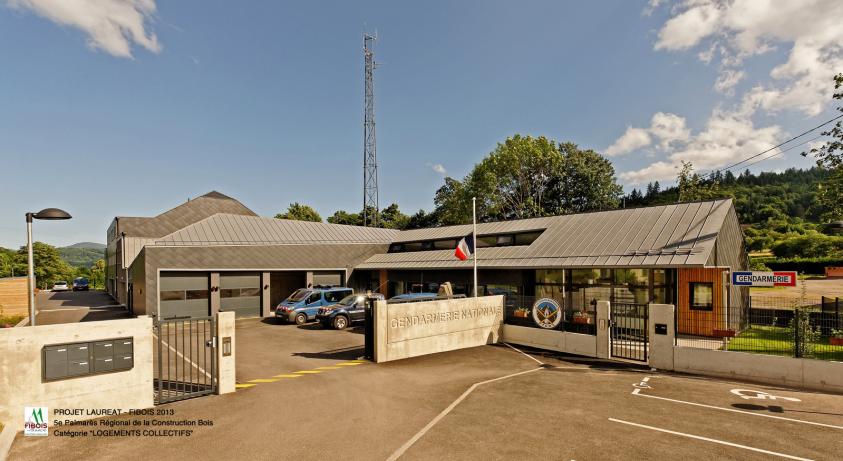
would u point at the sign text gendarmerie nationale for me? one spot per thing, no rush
(442, 317)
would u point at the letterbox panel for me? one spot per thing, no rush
(123, 362)
(78, 367)
(122, 346)
(103, 364)
(78, 351)
(103, 349)
(55, 362)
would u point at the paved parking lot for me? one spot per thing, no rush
(307, 397)
(78, 306)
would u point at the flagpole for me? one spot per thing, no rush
(474, 235)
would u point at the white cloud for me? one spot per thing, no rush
(632, 139)
(727, 80)
(111, 25)
(727, 33)
(667, 128)
(438, 168)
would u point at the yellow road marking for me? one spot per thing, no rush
(349, 364)
(308, 372)
(263, 380)
(288, 376)
(244, 386)
(329, 368)
(359, 361)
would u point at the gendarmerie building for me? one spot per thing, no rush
(214, 254)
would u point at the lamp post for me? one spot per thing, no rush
(49, 214)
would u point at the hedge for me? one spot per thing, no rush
(801, 265)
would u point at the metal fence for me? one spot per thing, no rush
(802, 328)
(185, 359)
(518, 311)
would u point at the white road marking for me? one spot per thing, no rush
(760, 395)
(397, 454)
(635, 392)
(706, 439)
(528, 355)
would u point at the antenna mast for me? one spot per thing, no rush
(370, 157)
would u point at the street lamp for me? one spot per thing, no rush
(49, 214)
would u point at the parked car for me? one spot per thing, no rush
(80, 284)
(303, 305)
(61, 285)
(350, 309)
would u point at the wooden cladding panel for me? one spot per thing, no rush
(695, 322)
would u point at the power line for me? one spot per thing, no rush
(777, 154)
(774, 147)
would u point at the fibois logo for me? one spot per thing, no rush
(35, 421)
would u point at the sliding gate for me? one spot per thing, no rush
(185, 358)
(629, 331)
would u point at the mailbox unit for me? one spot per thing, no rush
(72, 360)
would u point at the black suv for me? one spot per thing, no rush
(352, 308)
(80, 284)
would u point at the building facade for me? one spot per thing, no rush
(213, 254)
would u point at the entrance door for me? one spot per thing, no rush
(629, 331)
(241, 293)
(184, 295)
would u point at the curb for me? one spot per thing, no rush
(7, 437)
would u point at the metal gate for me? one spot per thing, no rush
(629, 331)
(186, 363)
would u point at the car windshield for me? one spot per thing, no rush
(81, 280)
(298, 295)
(61, 283)
(348, 300)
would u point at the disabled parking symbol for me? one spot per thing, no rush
(760, 395)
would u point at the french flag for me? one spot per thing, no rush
(465, 248)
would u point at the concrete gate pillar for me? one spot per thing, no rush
(266, 308)
(215, 293)
(225, 353)
(662, 334)
(603, 329)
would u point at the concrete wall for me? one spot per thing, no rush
(412, 329)
(13, 299)
(554, 340)
(20, 369)
(226, 369)
(813, 374)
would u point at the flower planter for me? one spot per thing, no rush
(582, 320)
(522, 314)
(836, 341)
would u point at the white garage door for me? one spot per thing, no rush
(241, 293)
(184, 295)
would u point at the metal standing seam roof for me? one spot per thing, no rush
(661, 236)
(231, 229)
(181, 216)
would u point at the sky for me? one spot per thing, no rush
(130, 107)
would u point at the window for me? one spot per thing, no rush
(250, 291)
(315, 297)
(505, 240)
(197, 294)
(335, 296)
(550, 276)
(172, 295)
(426, 246)
(229, 293)
(445, 244)
(526, 238)
(702, 296)
(396, 248)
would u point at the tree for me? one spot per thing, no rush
(299, 212)
(392, 218)
(830, 157)
(693, 188)
(344, 217)
(97, 279)
(526, 177)
(422, 219)
(588, 182)
(49, 266)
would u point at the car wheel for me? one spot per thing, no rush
(340, 322)
(301, 319)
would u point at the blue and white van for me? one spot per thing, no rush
(303, 305)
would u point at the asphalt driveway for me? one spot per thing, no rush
(77, 306)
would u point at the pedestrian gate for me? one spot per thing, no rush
(185, 358)
(629, 331)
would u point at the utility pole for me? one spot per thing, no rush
(370, 157)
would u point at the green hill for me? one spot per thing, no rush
(82, 256)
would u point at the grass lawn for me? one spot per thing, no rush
(777, 341)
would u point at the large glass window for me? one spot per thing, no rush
(550, 276)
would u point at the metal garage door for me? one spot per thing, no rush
(241, 293)
(184, 295)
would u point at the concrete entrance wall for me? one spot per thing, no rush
(564, 341)
(404, 330)
(814, 374)
(21, 382)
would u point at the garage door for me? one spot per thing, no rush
(241, 293)
(184, 295)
